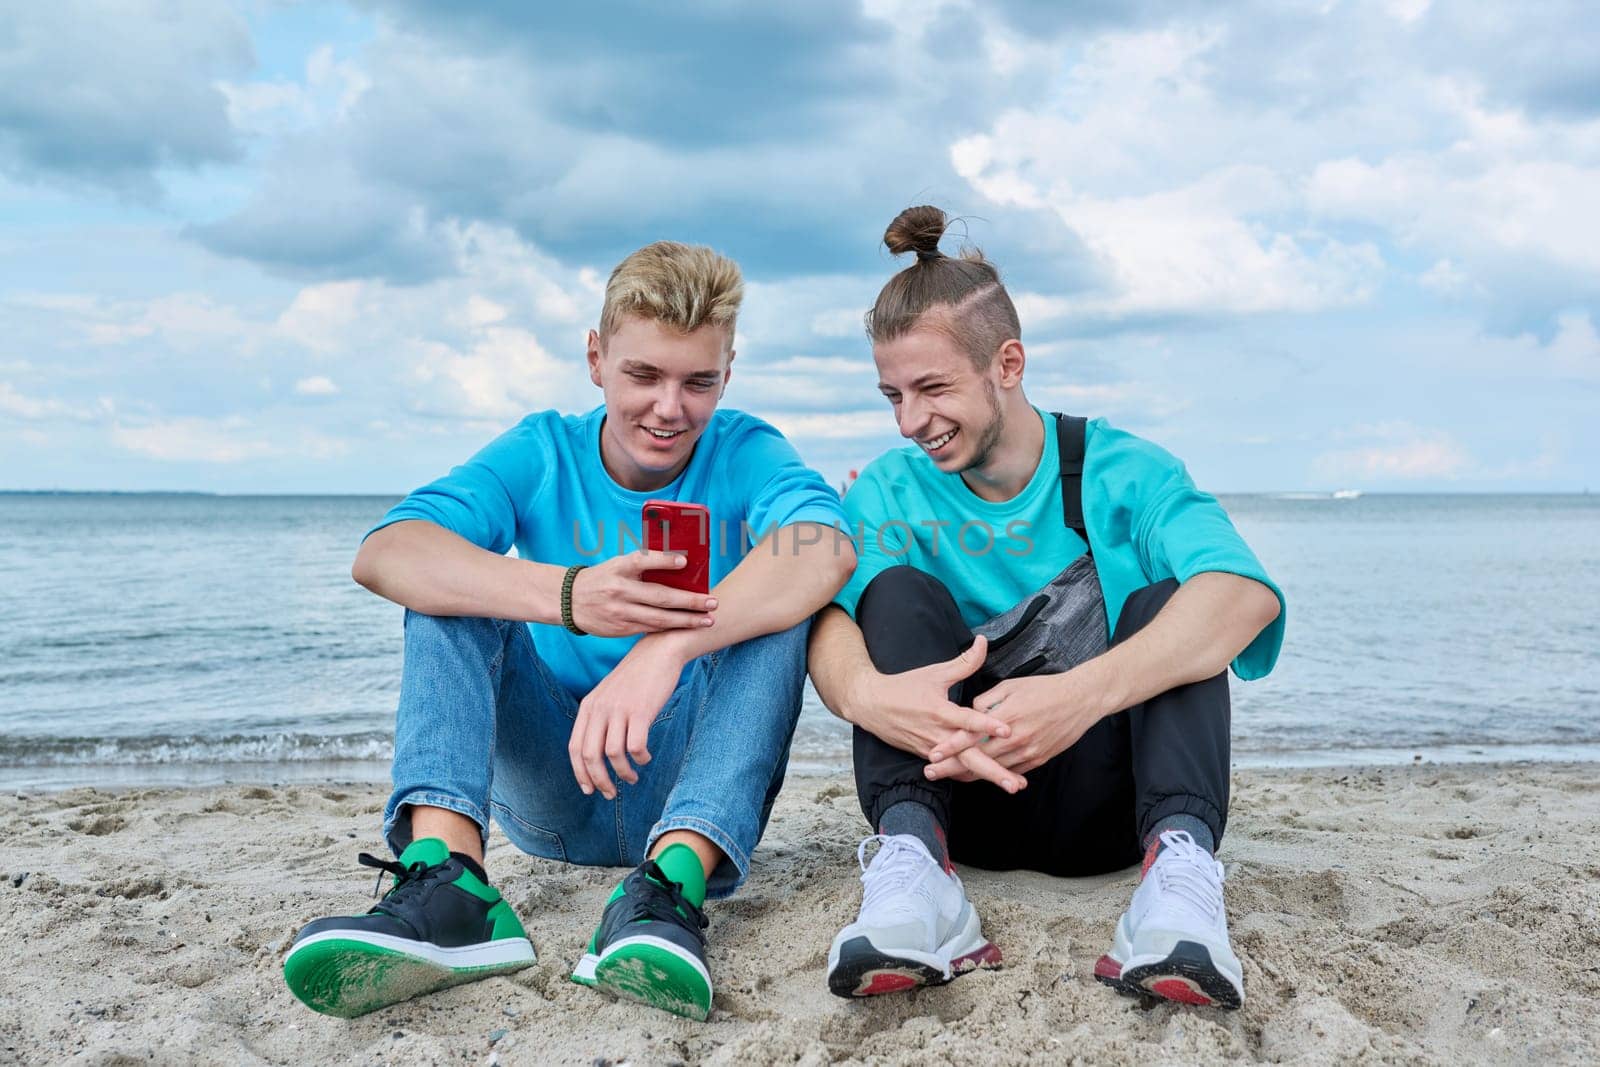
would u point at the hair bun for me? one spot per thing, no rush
(917, 229)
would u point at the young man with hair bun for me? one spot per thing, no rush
(601, 718)
(1033, 652)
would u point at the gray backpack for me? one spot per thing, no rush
(1064, 623)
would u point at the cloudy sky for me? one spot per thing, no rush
(277, 247)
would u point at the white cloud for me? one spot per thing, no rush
(268, 106)
(316, 385)
(1547, 461)
(232, 439)
(1174, 226)
(1138, 400)
(821, 365)
(1253, 167)
(849, 425)
(33, 409)
(1572, 352)
(808, 312)
(184, 321)
(838, 322)
(329, 91)
(484, 312)
(1540, 208)
(803, 391)
(324, 317)
(1407, 11)
(505, 374)
(1507, 189)
(1398, 452)
(1446, 278)
(1576, 346)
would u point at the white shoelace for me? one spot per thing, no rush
(1189, 873)
(895, 867)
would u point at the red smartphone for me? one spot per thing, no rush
(670, 526)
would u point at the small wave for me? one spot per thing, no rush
(194, 748)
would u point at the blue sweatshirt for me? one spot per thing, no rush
(542, 487)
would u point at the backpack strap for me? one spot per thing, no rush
(1070, 434)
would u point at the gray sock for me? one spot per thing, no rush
(1194, 827)
(918, 820)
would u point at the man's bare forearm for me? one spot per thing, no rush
(837, 659)
(772, 589)
(422, 566)
(1210, 620)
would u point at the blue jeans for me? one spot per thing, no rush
(483, 727)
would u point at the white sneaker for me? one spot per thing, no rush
(1172, 941)
(915, 927)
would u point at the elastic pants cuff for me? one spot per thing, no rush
(928, 797)
(1184, 804)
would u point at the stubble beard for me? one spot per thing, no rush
(989, 439)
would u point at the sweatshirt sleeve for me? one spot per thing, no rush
(482, 500)
(779, 489)
(1178, 531)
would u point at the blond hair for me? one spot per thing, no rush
(681, 286)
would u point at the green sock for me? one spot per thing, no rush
(679, 863)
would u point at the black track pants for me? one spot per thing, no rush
(1085, 811)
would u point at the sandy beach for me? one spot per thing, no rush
(1417, 914)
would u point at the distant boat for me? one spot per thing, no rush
(1346, 494)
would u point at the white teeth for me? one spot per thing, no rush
(938, 442)
(662, 434)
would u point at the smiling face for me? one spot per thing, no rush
(661, 387)
(944, 403)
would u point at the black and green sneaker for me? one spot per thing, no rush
(649, 948)
(439, 925)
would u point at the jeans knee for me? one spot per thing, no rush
(460, 631)
(777, 649)
(422, 624)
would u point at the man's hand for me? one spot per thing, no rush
(614, 720)
(1047, 714)
(611, 600)
(912, 711)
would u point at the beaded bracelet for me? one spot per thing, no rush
(566, 600)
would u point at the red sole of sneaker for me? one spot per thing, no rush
(988, 956)
(1187, 976)
(877, 982)
(1179, 989)
(862, 971)
(1108, 970)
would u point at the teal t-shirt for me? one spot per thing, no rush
(542, 487)
(1145, 518)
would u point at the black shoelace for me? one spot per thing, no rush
(663, 900)
(407, 876)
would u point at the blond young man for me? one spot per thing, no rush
(598, 717)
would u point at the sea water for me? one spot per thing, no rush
(194, 638)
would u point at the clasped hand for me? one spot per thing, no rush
(913, 712)
(1045, 714)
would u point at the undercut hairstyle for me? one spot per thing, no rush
(960, 296)
(678, 285)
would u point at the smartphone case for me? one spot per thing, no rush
(672, 526)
